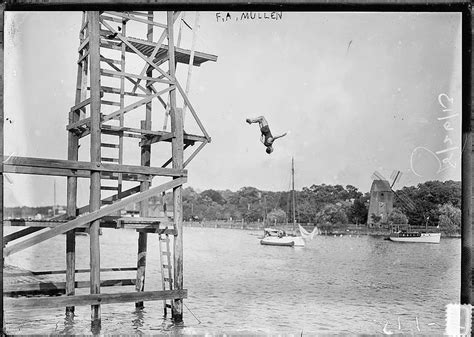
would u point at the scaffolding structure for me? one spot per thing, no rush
(122, 81)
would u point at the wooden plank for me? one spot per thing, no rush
(74, 173)
(95, 156)
(94, 299)
(184, 54)
(17, 162)
(194, 153)
(92, 216)
(152, 56)
(145, 160)
(196, 118)
(110, 18)
(135, 105)
(82, 104)
(114, 67)
(120, 74)
(83, 57)
(167, 136)
(109, 60)
(111, 90)
(83, 44)
(131, 17)
(141, 55)
(46, 285)
(19, 234)
(44, 171)
(110, 103)
(177, 145)
(55, 272)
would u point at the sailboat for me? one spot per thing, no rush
(279, 237)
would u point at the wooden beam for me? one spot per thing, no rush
(15, 164)
(131, 17)
(140, 54)
(163, 35)
(120, 74)
(44, 286)
(135, 105)
(193, 112)
(45, 171)
(92, 216)
(194, 153)
(19, 234)
(198, 56)
(55, 272)
(94, 299)
(177, 145)
(95, 158)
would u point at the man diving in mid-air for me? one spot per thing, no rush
(266, 138)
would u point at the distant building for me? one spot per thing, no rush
(155, 209)
(381, 201)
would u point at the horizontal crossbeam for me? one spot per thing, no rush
(47, 286)
(50, 164)
(13, 304)
(92, 216)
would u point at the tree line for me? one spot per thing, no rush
(436, 203)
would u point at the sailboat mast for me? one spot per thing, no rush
(293, 191)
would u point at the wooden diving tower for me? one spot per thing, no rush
(123, 84)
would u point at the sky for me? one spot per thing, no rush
(357, 93)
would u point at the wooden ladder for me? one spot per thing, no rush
(166, 268)
(115, 98)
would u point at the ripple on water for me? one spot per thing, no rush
(333, 285)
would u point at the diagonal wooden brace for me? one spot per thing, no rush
(92, 216)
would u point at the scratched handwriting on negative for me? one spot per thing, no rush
(444, 157)
(248, 16)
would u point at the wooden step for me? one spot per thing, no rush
(108, 159)
(167, 279)
(109, 188)
(110, 145)
(166, 266)
(105, 59)
(109, 103)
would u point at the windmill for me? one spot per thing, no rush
(382, 195)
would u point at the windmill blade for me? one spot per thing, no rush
(377, 176)
(395, 177)
(405, 200)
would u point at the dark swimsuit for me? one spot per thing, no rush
(267, 134)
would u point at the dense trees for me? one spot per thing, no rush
(436, 203)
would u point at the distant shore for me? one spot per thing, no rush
(350, 229)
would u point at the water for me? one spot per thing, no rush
(333, 285)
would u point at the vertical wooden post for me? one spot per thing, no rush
(95, 157)
(2, 22)
(466, 168)
(177, 152)
(72, 154)
(145, 185)
(122, 104)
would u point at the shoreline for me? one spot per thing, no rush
(347, 230)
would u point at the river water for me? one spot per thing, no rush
(333, 285)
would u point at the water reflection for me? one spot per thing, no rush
(138, 320)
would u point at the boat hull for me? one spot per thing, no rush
(276, 241)
(423, 238)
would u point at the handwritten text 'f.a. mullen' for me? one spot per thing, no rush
(248, 16)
